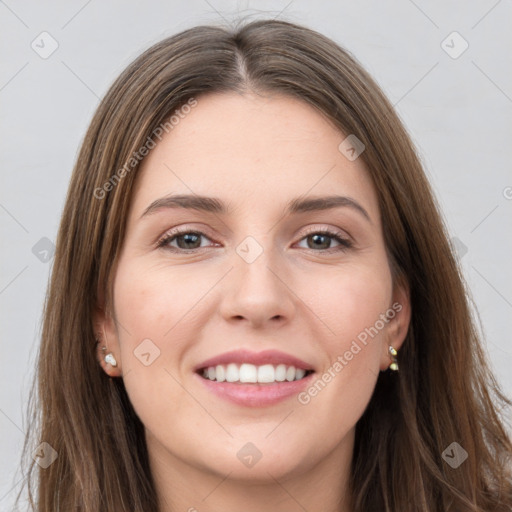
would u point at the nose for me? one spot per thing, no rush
(258, 293)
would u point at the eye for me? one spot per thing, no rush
(185, 240)
(322, 239)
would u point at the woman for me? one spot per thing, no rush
(254, 304)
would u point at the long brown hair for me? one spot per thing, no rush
(445, 392)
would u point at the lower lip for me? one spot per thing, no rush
(256, 395)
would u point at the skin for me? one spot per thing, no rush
(254, 152)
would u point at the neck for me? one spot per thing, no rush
(184, 487)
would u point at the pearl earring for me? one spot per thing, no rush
(110, 359)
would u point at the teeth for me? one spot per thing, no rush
(232, 373)
(248, 373)
(264, 374)
(220, 373)
(280, 372)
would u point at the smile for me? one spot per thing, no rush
(250, 373)
(254, 379)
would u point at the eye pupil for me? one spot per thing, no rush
(317, 240)
(187, 239)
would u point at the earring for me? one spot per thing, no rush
(110, 359)
(394, 363)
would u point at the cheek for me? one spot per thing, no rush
(152, 308)
(152, 302)
(353, 312)
(356, 300)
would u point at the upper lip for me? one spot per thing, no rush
(274, 357)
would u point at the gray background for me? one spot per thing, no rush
(457, 109)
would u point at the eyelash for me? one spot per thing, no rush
(345, 243)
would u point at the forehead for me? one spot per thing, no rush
(251, 149)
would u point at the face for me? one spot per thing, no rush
(266, 280)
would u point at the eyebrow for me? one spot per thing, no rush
(215, 205)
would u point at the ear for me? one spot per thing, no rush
(399, 315)
(107, 341)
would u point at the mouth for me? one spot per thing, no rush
(250, 379)
(246, 373)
